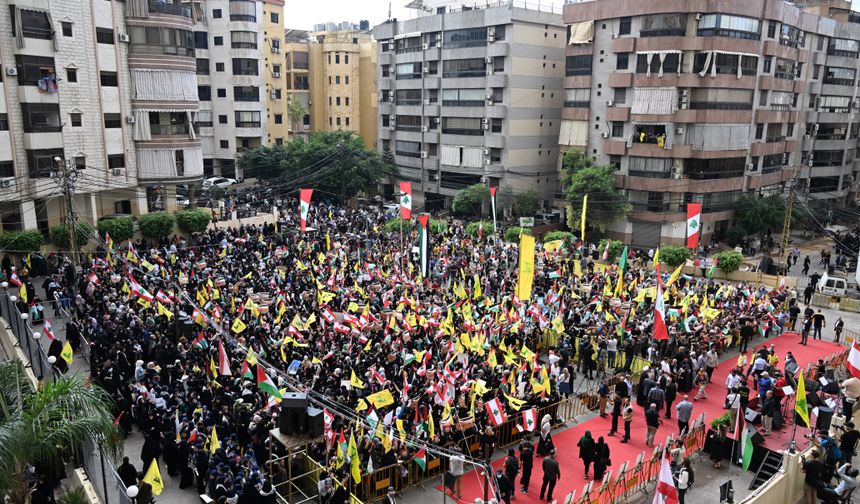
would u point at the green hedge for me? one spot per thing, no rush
(615, 249)
(61, 237)
(193, 221)
(393, 225)
(674, 255)
(30, 240)
(472, 228)
(120, 229)
(565, 236)
(156, 225)
(512, 234)
(729, 261)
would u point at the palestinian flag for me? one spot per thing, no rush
(200, 342)
(420, 458)
(746, 449)
(424, 244)
(266, 384)
(246, 371)
(712, 269)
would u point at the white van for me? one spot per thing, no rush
(834, 286)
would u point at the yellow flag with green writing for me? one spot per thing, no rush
(153, 477)
(67, 353)
(800, 405)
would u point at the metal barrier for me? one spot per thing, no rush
(23, 332)
(101, 473)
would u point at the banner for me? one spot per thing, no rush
(406, 200)
(694, 223)
(304, 207)
(423, 244)
(582, 218)
(527, 267)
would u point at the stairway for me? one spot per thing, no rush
(769, 466)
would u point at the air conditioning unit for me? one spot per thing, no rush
(807, 137)
(7, 182)
(489, 59)
(750, 167)
(129, 119)
(437, 120)
(426, 101)
(609, 103)
(489, 96)
(491, 37)
(815, 128)
(486, 151)
(485, 126)
(12, 71)
(604, 134)
(123, 37)
(425, 46)
(439, 36)
(424, 154)
(484, 120)
(276, 75)
(685, 92)
(276, 50)
(614, 36)
(379, 96)
(683, 106)
(488, 161)
(784, 158)
(310, 103)
(117, 172)
(391, 95)
(679, 130)
(426, 69)
(698, 17)
(424, 128)
(273, 95)
(391, 127)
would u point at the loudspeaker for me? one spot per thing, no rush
(315, 422)
(831, 388)
(294, 400)
(825, 415)
(756, 437)
(287, 423)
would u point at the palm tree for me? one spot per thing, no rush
(43, 425)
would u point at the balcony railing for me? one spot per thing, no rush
(408, 154)
(715, 105)
(715, 175)
(780, 107)
(43, 128)
(830, 136)
(577, 104)
(843, 53)
(408, 101)
(463, 131)
(771, 168)
(409, 49)
(775, 139)
(243, 17)
(464, 73)
(408, 127)
(247, 124)
(650, 174)
(168, 129)
(668, 32)
(462, 103)
(652, 207)
(839, 82)
(409, 76)
(175, 9)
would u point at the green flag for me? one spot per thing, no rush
(712, 269)
(622, 264)
(746, 449)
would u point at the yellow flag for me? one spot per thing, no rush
(355, 381)
(340, 458)
(401, 429)
(527, 267)
(476, 287)
(238, 326)
(164, 311)
(491, 360)
(800, 403)
(577, 268)
(514, 403)
(212, 368)
(22, 292)
(214, 444)
(251, 357)
(675, 275)
(582, 218)
(352, 452)
(67, 353)
(248, 276)
(153, 477)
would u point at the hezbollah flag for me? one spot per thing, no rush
(424, 244)
(67, 353)
(153, 477)
(527, 267)
(800, 405)
(582, 218)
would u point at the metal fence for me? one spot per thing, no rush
(28, 337)
(101, 473)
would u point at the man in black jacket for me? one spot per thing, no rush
(671, 393)
(551, 474)
(527, 453)
(127, 472)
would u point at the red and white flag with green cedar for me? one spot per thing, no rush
(530, 420)
(266, 384)
(496, 412)
(420, 458)
(304, 207)
(694, 224)
(223, 361)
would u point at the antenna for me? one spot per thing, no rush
(389, 10)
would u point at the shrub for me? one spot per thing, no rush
(61, 238)
(193, 221)
(512, 234)
(469, 200)
(674, 256)
(437, 226)
(729, 261)
(735, 236)
(156, 225)
(393, 225)
(615, 249)
(566, 236)
(120, 229)
(22, 241)
(725, 419)
(472, 228)
(76, 496)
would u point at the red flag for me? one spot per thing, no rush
(118, 418)
(406, 200)
(304, 207)
(853, 364)
(665, 493)
(694, 223)
(660, 330)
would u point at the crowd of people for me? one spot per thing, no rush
(183, 333)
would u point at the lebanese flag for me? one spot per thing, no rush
(492, 207)
(304, 207)
(694, 222)
(854, 360)
(406, 200)
(223, 361)
(530, 420)
(14, 280)
(605, 255)
(163, 298)
(665, 493)
(496, 412)
(328, 316)
(93, 278)
(47, 330)
(660, 330)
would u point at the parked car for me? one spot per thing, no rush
(542, 219)
(219, 182)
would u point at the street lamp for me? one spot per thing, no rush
(36, 335)
(52, 360)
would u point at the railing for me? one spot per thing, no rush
(773, 139)
(462, 103)
(168, 129)
(843, 53)
(713, 105)
(101, 473)
(578, 104)
(839, 82)
(408, 101)
(667, 32)
(23, 331)
(175, 9)
(465, 73)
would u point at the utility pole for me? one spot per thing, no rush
(66, 175)
(786, 225)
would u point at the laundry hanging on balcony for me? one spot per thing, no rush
(48, 84)
(581, 33)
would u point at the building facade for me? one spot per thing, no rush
(275, 78)
(472, 96)
(331, 75)
(698, 101)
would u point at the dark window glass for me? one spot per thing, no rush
(113, 121)
(108, 79)
(104, 36)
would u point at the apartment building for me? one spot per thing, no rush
(275, 78)
(231, 80)
(472, 95)
(332, 76)
(699, 101)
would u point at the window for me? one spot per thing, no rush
(108, 79)
(40, 163)
(827, 158)
(708, 169)
(337, 121)
(218, 40)
(664, 25)
(408, 149)
(475, 67)
(722, 99)
(834, 104)
(337, 59)
(67, 28)
(34, 24)
(337, 101)
(216, 13)
(721, 63)
(273, 17)
(816, 71)
(462, 126)
(71, 75)
(408, 96)
(620, 96)
(579, 65)
(225, 144)
(670, 63)
(247, 118)
(771, 29)
(622, 61)
(279, 141)
(408, 123)
(346, 79)
(470, 37)
(279, 118)
(843, 47)
(347, 121)
(346, 101)
(219, 67)
(7, 169)
(116, 160)
(246, 93)
(839, 76)
(75, 119)
(276, 69)
(276, 94)
(245, 66)
(161, 40)
(660, 168)
(617, 129)
(496, 125)
(41, 118)
(276, 45)
(406, 71)
(4, 122)
(243, 10)
(104, 36)
(577, 98)
(624, 26)
(113, 121)
(346, 62)
(499, 64)
(221, 92)
(201, 40)
(337, 79)
(759, 131)
(202, 66)
(222, 119)
(724, 25)
(204, 93)
(31, 69)
(80, 162)
(243, 39)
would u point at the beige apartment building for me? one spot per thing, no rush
(332, 76)
(274, 77)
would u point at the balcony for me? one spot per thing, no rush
(171, 8)
(713, 105)
(168, 129)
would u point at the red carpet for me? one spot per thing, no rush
(568, 454)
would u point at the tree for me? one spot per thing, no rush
(469, 200)
(616, 247)
(193, 221)
(566, 236)
(504, 201)
(388, 159)
(512, 234)
(760, 215)
(605, 203)
(45, 425)
(527, 204)
(120, 229)
(156, 225)
(262, 163)
(486, 228)
(674, 256)
(295, 113)
(728, 261)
